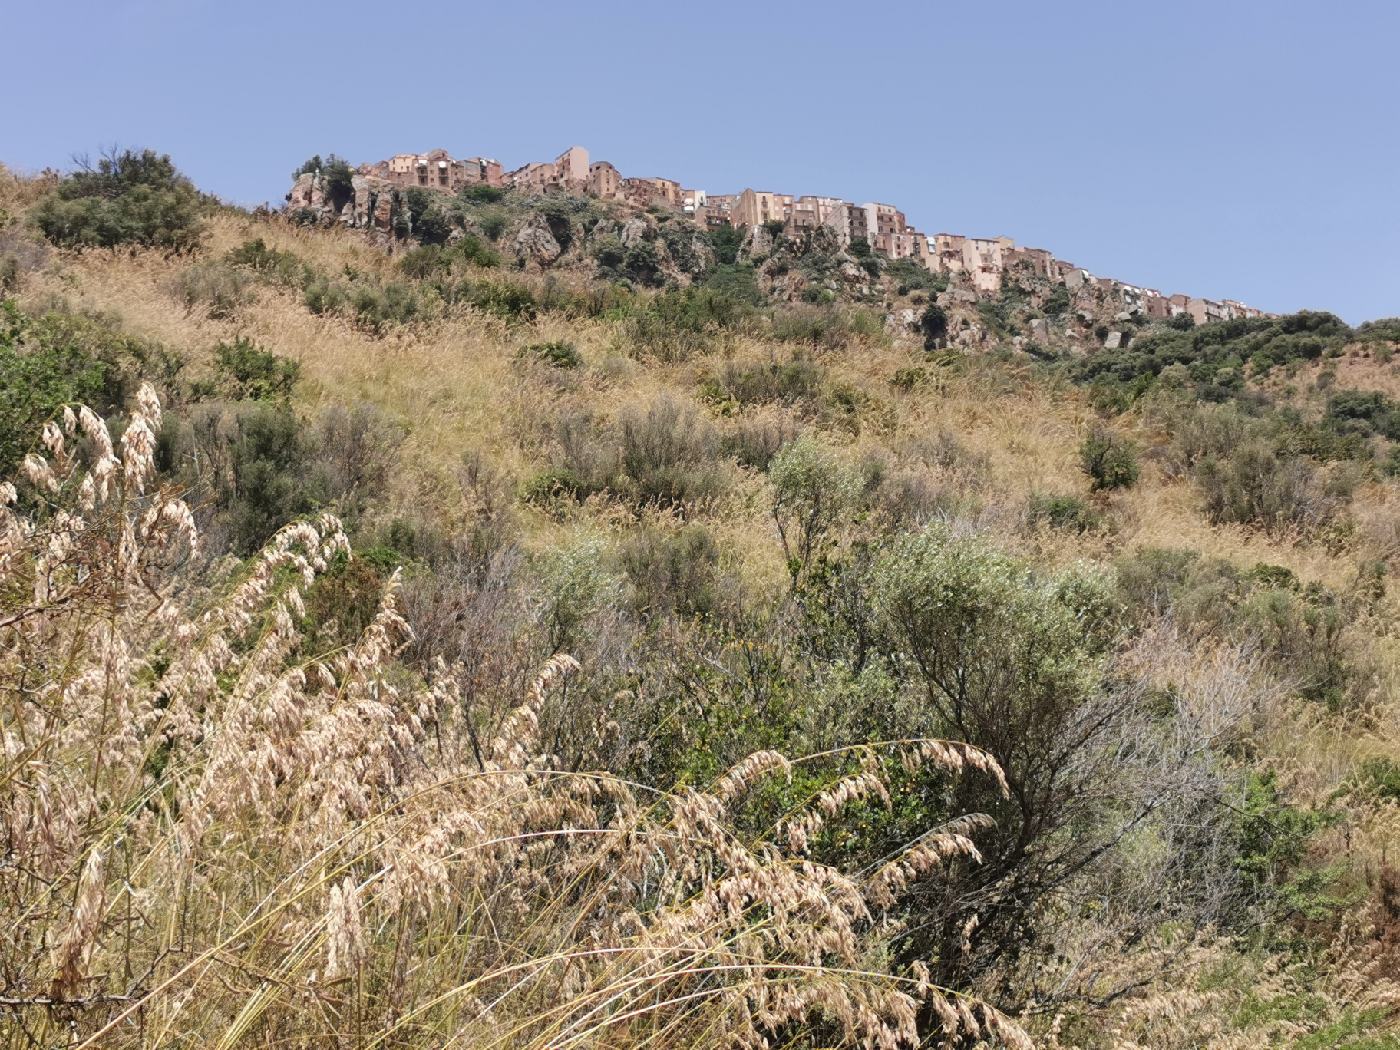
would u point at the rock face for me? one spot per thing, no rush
(308, 192)
(634, 231)
(902, 321)
(374, 204)
(757, 244)
(536, 244)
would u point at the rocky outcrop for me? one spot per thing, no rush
(536, 244)
(636, 230)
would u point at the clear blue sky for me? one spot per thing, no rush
(1227, 149)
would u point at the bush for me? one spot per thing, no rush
(61, 359)
(250, 373)
(798, 379)
(480, 193)
(669, 454)
(813, 490)
(513, 302)
(219, 288)
(1016, 661)
(338, 181)
(1064, 512)
(1255, 485)
(1109, 461)
(129, 198)
(829, 327)
(671, 571)
(250, 469)
(556, 353)
(281, 268)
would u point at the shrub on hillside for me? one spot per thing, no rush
(216, 287)
(58, 359)
(128, 198)
(796, 380)
(1255, 485)
(669, 454)
(1109, 461)
(284, 269)
(557, 353)
(248, 372)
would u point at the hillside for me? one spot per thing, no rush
(718, 635)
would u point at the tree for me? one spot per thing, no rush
(1013, 662)
(934, 325)
(127, 198)
(339, 182)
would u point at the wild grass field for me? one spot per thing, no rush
(401, 647)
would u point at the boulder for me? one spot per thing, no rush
(1113, 340)
(536, 244)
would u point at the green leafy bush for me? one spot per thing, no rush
(557, 353)
(1072, 513)
(285, 269)
(129, 198)
(59, 359)
(1109, 461)
(248, 372)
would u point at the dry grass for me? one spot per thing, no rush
(345, 875)
(214, 837)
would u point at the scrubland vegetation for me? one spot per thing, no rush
(405, 647)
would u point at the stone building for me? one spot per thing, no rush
(644, 193)
(604, 181)
(569, 172)
(436, 170)
(811, 213)
(978, 263)
(755, 207)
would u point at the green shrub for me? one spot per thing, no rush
(1071, 513)
(59, 359)
(1255, 485)
(813, 490)
(576, 587)
(1382, 775)
(492, 222)
(377, 307)
(830, 327)
(480, 193)
(556, 353)
(1109, 461)
(285, 269)
(250, 373)
(798, 379)
(514, 302)
(129, 198)
(671, 571)
(668, 454)
(323, 297)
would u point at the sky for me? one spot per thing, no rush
(1230, 149)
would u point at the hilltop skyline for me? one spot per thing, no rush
(1236, 152)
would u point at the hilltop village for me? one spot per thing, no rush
(978, 264)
